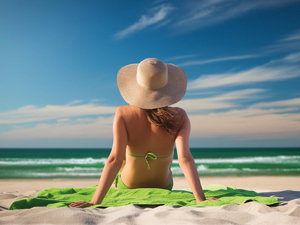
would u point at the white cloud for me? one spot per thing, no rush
(265, 120)
(200, 62)
(293, 58)
(290, 43)
(95, 100)
(160, 14)
(284, 103)
(273, 71)
(288, 60)
(63, 120)
(225, 101)
(246, 124)
(180, 57)
(75, 102)
(292, 37)
(91, 128)
(31, 113)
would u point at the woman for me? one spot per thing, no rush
(146, 130)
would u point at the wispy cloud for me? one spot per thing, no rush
(224, 101)
(32, 113)
(208, 12)
(265, 120)
(292, 37)
(289, 43)
(82, 129)
(180, 57)
(251, 124)
(75, 102)
(200, 62)
(292, 58)
(268, 72)
(279, 104)
(192, 14)
(160, 13)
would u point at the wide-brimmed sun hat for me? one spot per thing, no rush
(152, 84)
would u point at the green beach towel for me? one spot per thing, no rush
(145, 197)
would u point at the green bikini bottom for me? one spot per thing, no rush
(120, 185)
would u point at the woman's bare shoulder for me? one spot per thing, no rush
(126, 108)
(181, 112)
(181, 117)
(128, 111)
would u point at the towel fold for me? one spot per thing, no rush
(146, 197)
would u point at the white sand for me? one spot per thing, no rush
(286, 188)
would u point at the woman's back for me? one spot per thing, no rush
(145, 137)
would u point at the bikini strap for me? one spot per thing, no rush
(149, 155)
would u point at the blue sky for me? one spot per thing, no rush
(59, 61)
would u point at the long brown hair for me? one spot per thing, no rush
(166, 117)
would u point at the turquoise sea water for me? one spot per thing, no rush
(88, 163)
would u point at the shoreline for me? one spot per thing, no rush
(256, 183)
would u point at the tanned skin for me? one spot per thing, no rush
(135, 134)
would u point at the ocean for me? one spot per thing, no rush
(88, 163)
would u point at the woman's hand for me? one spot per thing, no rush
(80, 204)
(211, 199)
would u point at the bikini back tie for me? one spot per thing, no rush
(149, 155)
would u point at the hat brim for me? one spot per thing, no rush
(144, 98)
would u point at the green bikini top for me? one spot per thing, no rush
(149, 155)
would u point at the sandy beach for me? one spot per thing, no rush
(287, 189)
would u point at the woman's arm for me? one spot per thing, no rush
(186, 160)
(113, 163)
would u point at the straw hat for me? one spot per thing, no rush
(152, 84)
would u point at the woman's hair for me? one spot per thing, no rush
(165, 117)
